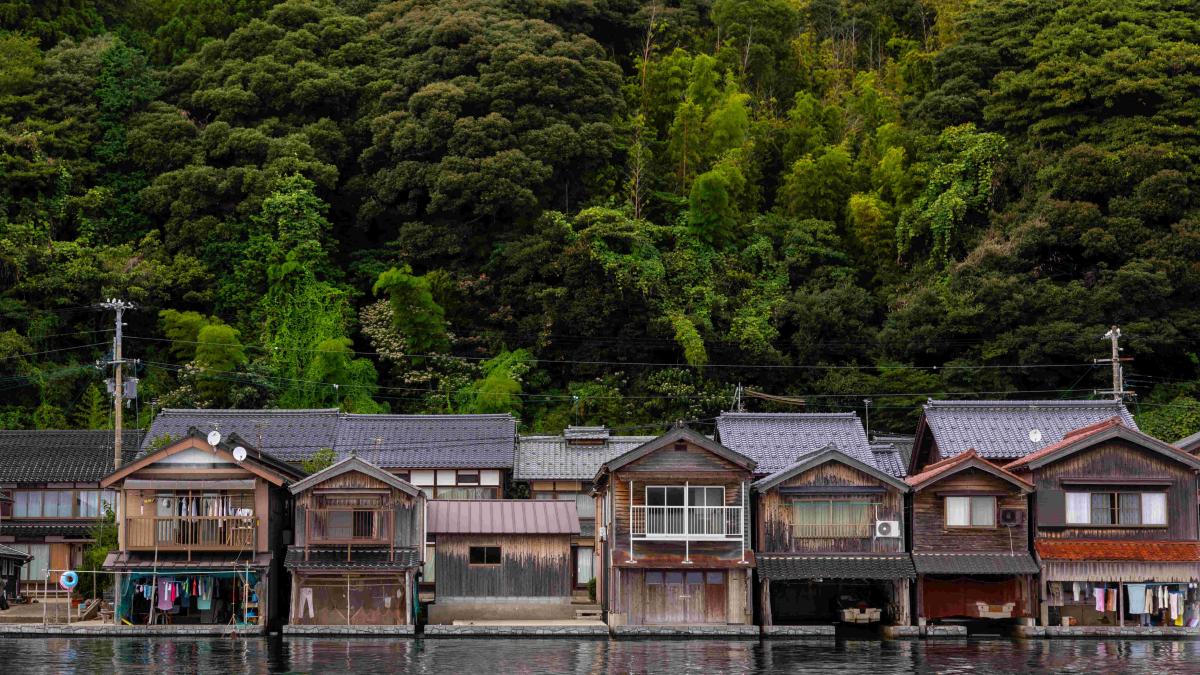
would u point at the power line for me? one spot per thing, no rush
(644, 363)
(52, 351)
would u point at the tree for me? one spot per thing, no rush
(319, 461)
(92, 410)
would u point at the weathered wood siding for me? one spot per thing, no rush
(775, 514)
(407, 511)
(929, 516)
(622, 499)
(530, 566)
(1120, 459)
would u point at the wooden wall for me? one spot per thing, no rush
(531, 566)
(775, 511)
(929, 531)
(1118, 459)
(406, 508)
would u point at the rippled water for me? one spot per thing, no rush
(592, 657)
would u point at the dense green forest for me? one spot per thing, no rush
(598, 211)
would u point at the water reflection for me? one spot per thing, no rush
(593, 657)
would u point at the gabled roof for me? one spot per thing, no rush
(962, 462)
(354, 463)
(775, 440)
(502, 516)
(829, 453)
(391, 441)
(555, 458)
(1003, 429)
(679, 433)
(902, 444)
(1189, 443)
(290, 435)
(1098, 433)
(61, 456)
(257, 462)
(430, 441)
(13, 554)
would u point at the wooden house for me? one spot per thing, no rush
(674, 533)
(50, 482)
(970, 542)
(502, 559)
(1115, 529)
(358, 546)
(561, 468)
(11, 562)
(202, 529)
(830, 532)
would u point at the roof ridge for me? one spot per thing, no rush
(250, 411)
(847, 415)
(1052, 403)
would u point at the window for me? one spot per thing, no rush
(971, 511)
(485, 555)
(1116, 508)
(831, 519)
(467, 493)
(468, 478)
(664, 496)
(34, 570)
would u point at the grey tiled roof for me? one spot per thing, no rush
(974, 563)
(388, 441)
(1001, 429)
(777, 440)
(13, 554)
(817, 566)
(360, 559)
(23, 530)
(888, 459)
(902, 443)
(429, 441)
(290, 435)
(553, 458)
(52, 456)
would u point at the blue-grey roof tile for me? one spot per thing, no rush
(1003, 429)
(61, 456)
(777, 440)
(557, 458)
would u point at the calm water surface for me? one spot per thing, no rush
(591, 657)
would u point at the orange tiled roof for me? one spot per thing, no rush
(936, 469)
(1129, 549)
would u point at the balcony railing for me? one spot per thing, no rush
(832, 531)
(693, 523)
(191, 533)
(369, 527)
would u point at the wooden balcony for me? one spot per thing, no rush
(349, 526)
(191, 533)
(691, 523)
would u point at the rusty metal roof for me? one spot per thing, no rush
(502, 516)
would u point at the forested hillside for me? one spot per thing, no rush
(598, 211)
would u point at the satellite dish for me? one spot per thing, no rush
(239, 453)
(214, 437)
(1035, 435)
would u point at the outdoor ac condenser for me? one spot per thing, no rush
(887, 528)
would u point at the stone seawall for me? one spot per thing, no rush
(1155, 632)
(402, 631)
(128, 631)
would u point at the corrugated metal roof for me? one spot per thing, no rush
(507, 516)
(553, 458)
(778, 440)
(1001, 429)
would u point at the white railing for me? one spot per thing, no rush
(687, 522)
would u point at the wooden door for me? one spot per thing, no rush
(654, 598)
(60, 559)
(677, 606)
(715, 597)
(696, 597)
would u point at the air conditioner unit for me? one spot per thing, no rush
(1012, 517)
(887, 529)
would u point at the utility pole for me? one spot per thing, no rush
(1118, 371)
(119, 306)
(867, 409)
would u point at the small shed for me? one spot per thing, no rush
(502, 559)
